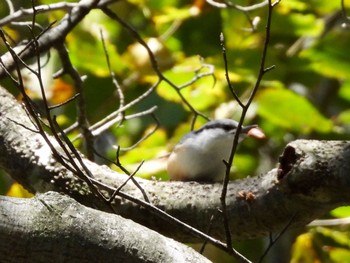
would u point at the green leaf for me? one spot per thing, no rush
(344, 117)
(291, 111)
(86, 49)
(340, 255)
(332, 237)
(287, 6)
(331, 57)
(343, 211)
(244, 164)
(344, 91)
(297, 24)
(171, 14)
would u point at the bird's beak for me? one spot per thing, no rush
(254, 131)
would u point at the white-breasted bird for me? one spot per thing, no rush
(200, 154)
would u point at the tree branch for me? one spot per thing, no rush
(312, 178)
(52, 225)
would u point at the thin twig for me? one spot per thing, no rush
(330, 222)
(199, 75)
(64, 103)
(114, 79)
(227, 4)
(262, 71)
(53, 36)
(152, 58)
(23, 12)
(130, 176)
(19, 14)
(146, 136)
(274, 240)
(104, 125)
(82, 118)
(208, 233)
(223, 48)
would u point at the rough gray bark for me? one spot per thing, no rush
(54, 228)
(312, 178)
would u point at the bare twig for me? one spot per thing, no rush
(262, 71)
(208, 233)
(130, 176)
(146, 135)
(65, 102)
(111, 72)
(330, 222)
(222, 42)
(153, 59)
(12, 11)
(115, 116)
(199, 75)
(83, 123)
(227, 4)
(274, 240)
(23, 12)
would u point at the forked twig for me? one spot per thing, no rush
(274, 240)
(262, 71)
(152, 58)
(82, 118)
(130, 176)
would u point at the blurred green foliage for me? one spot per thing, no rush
(307, 95)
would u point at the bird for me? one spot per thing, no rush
(200, 154)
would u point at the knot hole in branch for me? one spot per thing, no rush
(286, 161)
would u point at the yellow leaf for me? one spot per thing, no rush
(17, 190)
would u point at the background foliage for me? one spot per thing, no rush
(307, 95)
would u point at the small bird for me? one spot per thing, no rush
(200, 154)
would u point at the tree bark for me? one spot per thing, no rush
(312, 178)
(54, 228)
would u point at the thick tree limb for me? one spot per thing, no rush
(312, 178)
(54, 228)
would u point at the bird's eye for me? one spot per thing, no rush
(228, 128)
(232, 131)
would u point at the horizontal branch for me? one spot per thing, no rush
(52, 225)
(312, 178)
